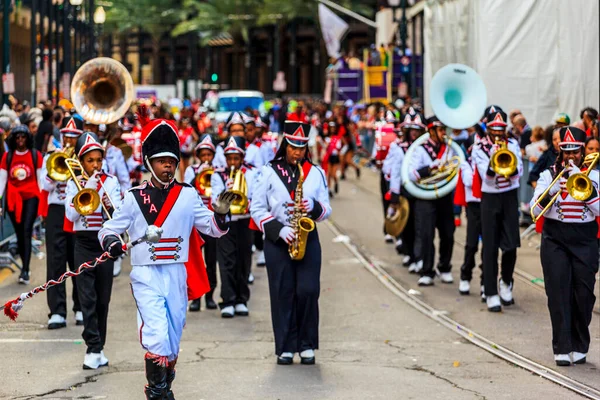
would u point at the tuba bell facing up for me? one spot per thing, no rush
(102, 90)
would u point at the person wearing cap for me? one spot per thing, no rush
(294, 285)
(412, 126)
(60, 242)
(569, 250)
(20, 174)
(499, 212)
(561, 119)
(94, 286)
(164, 276)
(234, 249)
(205, 153)
(433, 214)
(331, 159)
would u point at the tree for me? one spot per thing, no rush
(153, 17)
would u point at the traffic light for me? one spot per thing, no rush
(214, 78)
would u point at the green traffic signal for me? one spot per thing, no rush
(214, 77)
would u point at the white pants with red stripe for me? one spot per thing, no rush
(160, 293)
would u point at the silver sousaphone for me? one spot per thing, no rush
(458, 99)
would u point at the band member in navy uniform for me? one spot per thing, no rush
(569, 250)
(205, 152)
(294, 285)
(499, 212)
(94, 285)
(234, 250)
(59, 242)
(160, 270)
(432, 214)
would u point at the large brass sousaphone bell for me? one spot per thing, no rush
(395, 224)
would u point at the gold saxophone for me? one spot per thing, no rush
(301, 224)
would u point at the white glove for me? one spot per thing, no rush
(308, 204)
(223, 203)
(287, 234)
(572, 169)
(229, 184)
(92, 183)
(391, 211)
(559, 186)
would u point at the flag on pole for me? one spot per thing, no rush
(333, 28)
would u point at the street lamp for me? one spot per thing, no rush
(99, 15)
(76, 2)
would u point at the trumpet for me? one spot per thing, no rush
(503, 162)
(57, 166)
(579, 185)
(240, 189)
(202, 182)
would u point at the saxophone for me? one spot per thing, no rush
(301, 224)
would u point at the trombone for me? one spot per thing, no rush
(579, 185)
(87, 200)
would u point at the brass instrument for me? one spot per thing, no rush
(503, 162)
(202, 182)
(102, 90)
(122, 145)
(301, 224)
(395, 224)
(579, 186)
(87, 200)
(240, 189)
(57, 166)
(446, 171)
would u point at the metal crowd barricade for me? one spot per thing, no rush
(8, 237)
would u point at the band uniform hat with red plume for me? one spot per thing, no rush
(390, 117)
(414, 121)
(72, 127)
(248, 119)
(236, 145)
(125, 124)
(433, 122)
(235, 118)
(296, 133)
(206, 142)
(571, 138)
(489, 110)
(496, 121)
(86, 143)
(259, 123)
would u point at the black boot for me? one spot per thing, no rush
(170, 379)
(195, 305)
(210, 303)
(156, 375)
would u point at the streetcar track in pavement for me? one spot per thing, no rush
(441, 317)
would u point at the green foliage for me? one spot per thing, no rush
(285, 11)
(154, 17)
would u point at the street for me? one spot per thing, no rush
(374, 345)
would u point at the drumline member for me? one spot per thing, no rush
(569, 251)
(234, 249)
(20, 172)
(433, 214)
(60, 243)
(205, 152)
(94, 285)
(158, 277)
(499, 212)
(294, 285)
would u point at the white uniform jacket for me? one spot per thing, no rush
(566, 208)
(142, 207)
(490, 181)
(424, 156)
(269, 146)
(56, 190)
(273, 197)
(391, 159)
(466, 174)
(253, 155)
(219, 161)
(219, 182)
(396, 167)
(94, 221)
(116, 165)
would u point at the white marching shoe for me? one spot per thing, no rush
(506, 296)
(260, 258)
(389, 238)
(493, 303)
(250, 279)
(425, 281)
(579, 358)
(227, 312)
(562, 360)
(56, 322)
(464, 287)
(103, 359)
(117, 266)
(415, 267)
(482, 294)
(78, 318)
(446, 277)
(241, 309)
(92, 361)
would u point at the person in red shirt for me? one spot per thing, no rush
(19, 168)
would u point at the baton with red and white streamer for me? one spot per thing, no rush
(12, 307)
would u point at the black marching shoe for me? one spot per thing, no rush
(562, 360)
(210, 303)
(170, 379)
(307, 357)
(285, 359)
(24, 278)
(336, 188)
(195, 305)
(156, 375)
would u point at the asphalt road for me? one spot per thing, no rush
(373, 345)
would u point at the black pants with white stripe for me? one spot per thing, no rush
(294, 288)
(210, 259)
(499, 230)
(569, 254)
(429, 216)
(234, 252)
(473, 233)
(94, 287)
(60, 253)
